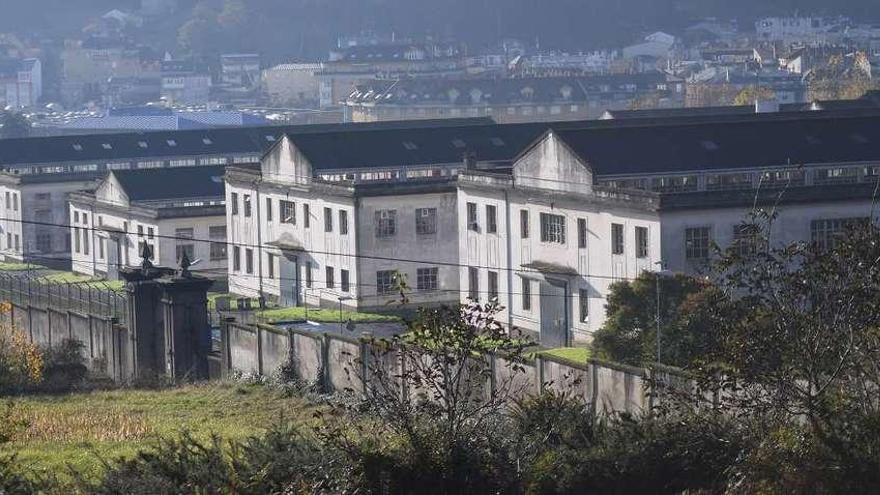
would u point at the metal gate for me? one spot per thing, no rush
(554, 313)
(289, 278)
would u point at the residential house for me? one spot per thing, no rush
(21, 83)
(185, 83)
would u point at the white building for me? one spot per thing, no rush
(174, 211)
(541, 239)
(809, 30)
(21, 84)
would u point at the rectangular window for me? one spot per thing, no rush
(270, 265)
(825, 232)
(236, 259)
(524, 224)
(745, 239)
(584, 303)
(582, 233)
(268, 209)
(143, 245)
(697, 241)
(552, 228)
(149, 232)
(472, 217)
(15, 201)
(491, 219)
(9, 205)
(617, 244)
(473, 283)
(76, 240)
(307, 217)
(426, 279)
(385, 281)
(249, 261)
(309, 278)
(181, 249)
(426, 221)
(233, 202)
(44, 243)
(343, 281)
(641, 242)
(100, 247)
(217, 235)
(86, 235)
(328, 277)
(526, 294)
(140, 230)
(328, 219)
(386, 223)
(247, 205)
(493, 285)
(343, 222)
(287, 212)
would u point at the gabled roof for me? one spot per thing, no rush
(415, 146)
(695, 145)
(136, 145)
(172, 183)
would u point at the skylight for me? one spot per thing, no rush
(410, 145)
(207, 141)
(107, 146)
(270, 138)
(458, 143)
(709, 145)
(142, 144)
(171, 142)
(497, 141)
(78, 147)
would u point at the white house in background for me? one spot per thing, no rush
(173, 211)
(33, 216)
(657, 45)
(541, 239)
(21, 83)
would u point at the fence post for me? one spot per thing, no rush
(539, 365)
(366, 339)
(259, 349)
(594, 373)
(325, 362)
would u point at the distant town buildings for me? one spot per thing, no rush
(21, 83)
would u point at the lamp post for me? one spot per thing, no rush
(342, 298)
(658, 274)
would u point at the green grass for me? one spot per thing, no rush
(78, 430)
(18, 267)
(233, 301)
(572, 354)
(324, 315)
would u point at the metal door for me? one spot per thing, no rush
(554, 313)
(289, 278)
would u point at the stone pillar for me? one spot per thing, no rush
(187, 331)
(144, 324)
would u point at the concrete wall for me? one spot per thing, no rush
(336, 362)
(105, 343)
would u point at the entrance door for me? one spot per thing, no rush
(554, 313)
(289, 278)
(113, 257)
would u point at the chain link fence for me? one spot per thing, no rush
(92, 298)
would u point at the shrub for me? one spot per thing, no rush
(21, 363)
(64, 367)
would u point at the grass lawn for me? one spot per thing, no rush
(233, 301)
(79, 429)
(18, 267)
(573, 354)
(323, 315)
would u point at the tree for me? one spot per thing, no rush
(750, 95)
(629, 333)
(15, 125)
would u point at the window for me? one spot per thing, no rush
(473, 283)
(236, 259)
(493, 285)
(426, 221)
(85, 240)
(249, 260)
(426, 279)
(385, 281)
(100, 246)
(149, 232)
(825, 232)
(491, 219)
(247, 205)
(328, 277)
(746, 237)
(140, 230)
(15, 201)
(43, 196)
(584, 304)
(840, 175)
(472, 217)
(674, 184)
(309, 278)
(233, 201)
(217, 235)
(328, 220)
(18, 243)
(343, 281)
(386, 223)
(307, 218)
(641, 242)
(287, 212)
(526, 294)
(617, 243)
(77, 243)
(188, 249)
(343, 222)
(696, 243)
(9, 205)
(582, 233)
(44, 242)
(268, 209)
(9, 241)
(552, 228)
(524, 224)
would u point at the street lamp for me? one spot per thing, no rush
(659, 273)
(342, 298)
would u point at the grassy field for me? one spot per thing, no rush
(323, 315)
(572, 354)
(78, 430)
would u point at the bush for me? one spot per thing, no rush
(21, 363)
(64, 367)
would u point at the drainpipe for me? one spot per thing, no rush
(509, 262)
(91, 232)
(355, 229)
(258, 200)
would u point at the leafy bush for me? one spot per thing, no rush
(21, 363)
(64, 367)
